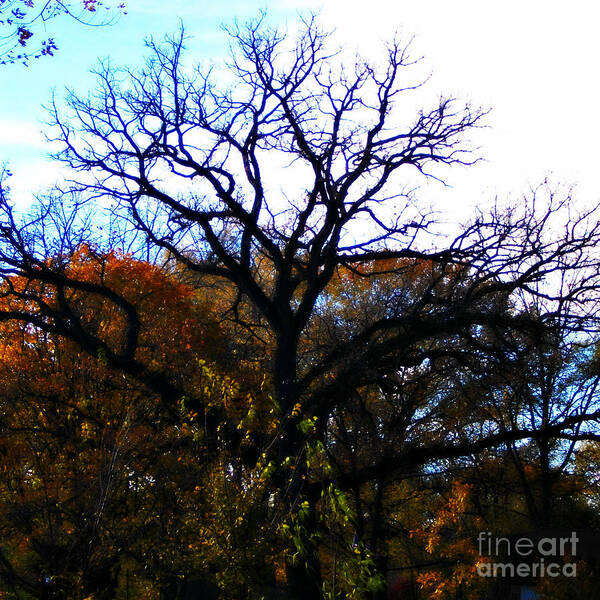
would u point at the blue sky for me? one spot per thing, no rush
(533, 62)
(23, 90)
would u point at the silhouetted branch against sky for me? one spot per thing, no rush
(28, 29)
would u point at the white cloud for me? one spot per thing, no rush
(21, 133)
(532, 62)
(30, 178)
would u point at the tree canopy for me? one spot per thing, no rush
(239, 270)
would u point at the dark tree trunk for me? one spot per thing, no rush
(304, 580)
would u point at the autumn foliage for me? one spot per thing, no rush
(95, 469)
(106, 491)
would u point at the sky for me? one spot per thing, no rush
(533, 63)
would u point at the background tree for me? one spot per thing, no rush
(94, 473)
